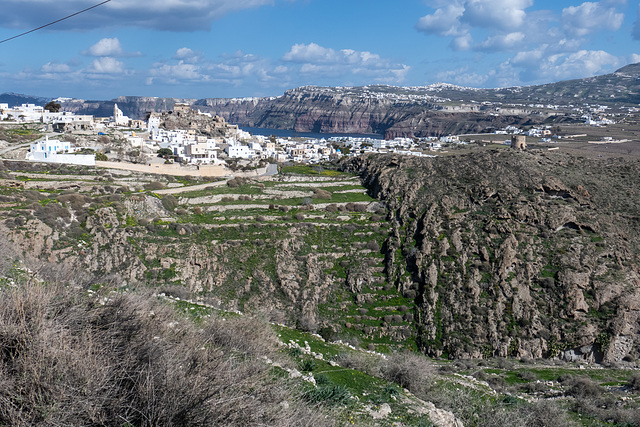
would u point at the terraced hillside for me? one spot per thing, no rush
(304, 247)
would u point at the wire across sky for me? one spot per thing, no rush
(54, 22)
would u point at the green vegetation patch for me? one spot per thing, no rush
(312, 170)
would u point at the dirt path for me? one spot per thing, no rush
(186, 189)
(14, 147)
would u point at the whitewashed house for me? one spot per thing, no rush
(238, 150)
(54, 151)
(49, 146)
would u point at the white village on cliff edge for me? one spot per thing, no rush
(192, 152)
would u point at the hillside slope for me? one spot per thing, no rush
(515, 254)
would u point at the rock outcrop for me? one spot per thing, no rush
(515, 254)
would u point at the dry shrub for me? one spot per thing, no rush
(75, 200)
(52, 213)
(410, 370)
(237, 182)
(332, 208)
(634, 382)
(581, 387)
(368, 363)
(373, 246)
(319, 193)
(169, 202)
(65, 360)
(506, 412)
(154, 185)
(544, 413)
(607, 412)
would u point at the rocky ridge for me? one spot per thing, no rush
(514, 253)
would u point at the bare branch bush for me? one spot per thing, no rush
(66, 359)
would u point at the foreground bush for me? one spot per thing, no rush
(409, 370)
(67, 360)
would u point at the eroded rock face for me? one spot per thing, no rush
(334, 110)
(516, 254)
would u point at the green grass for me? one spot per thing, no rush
(247, 189)
(316, 344)
(311, 170)
(299, 201)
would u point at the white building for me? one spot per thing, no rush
(23, 113)
(153, 123)
(380, 144)
(49, 146)
(201, 153)
(240, 152)
(119, 119)
(54, 151)
(450, 139)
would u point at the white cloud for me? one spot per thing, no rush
(502, 42)
(179, 72)
(501, 14)
(315, 54)
(539, 65)
(109, 47)
(320, 61)
(171, 15)
(464, 20)
(106, 47)
(505, 25)
(462, 76)
(462, 42)
(302, 64)
(106, 65)
(53, 67)
(401, 73)
(235, 69)
(459, 16)
(187, 55)
(443, 22)
(184, 53)
(530, 58)
(590, 17)
(633, 58)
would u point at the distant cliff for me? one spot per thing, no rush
(373, 110)
(434, 110)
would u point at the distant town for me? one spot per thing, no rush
(185, 140)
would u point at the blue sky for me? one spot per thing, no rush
(241, 48)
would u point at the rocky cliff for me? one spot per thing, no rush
(514, 253)
(370, 110)
(434, 110)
